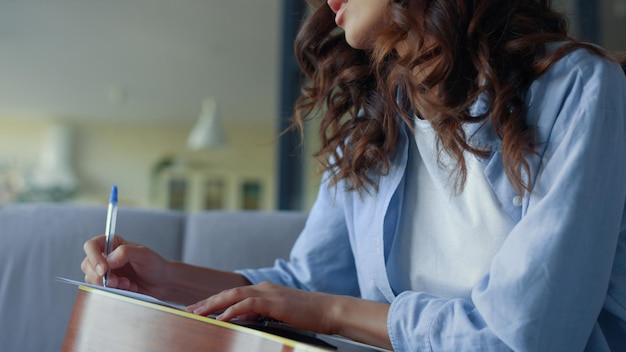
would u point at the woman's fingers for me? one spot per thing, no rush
(95, 265)
(95, 260)
(125, 254)
(265, 299)
(251, 306)
(124, 283)
(220, 301)
(113, 281)
(91, 276)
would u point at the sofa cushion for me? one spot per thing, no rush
(230, 240)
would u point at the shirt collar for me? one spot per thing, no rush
(482, 135)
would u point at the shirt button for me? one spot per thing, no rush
(517, 201)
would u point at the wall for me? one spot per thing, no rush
(108, 153)
(613, 25)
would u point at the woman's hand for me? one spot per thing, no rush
(303, 309)
(133, 267)
(355, 318)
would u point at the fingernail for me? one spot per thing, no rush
(99, 269)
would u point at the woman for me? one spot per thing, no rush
(474, 190)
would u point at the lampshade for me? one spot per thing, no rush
(208, 131)
(55, 164)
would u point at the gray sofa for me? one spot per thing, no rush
(42, 241)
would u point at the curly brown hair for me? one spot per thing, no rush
(455, 51)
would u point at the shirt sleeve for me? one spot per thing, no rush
(321, 259)
(548, 283)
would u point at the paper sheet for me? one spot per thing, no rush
(125, 293)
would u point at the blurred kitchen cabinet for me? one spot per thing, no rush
(208, 189)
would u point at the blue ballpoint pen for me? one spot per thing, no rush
(110, 228)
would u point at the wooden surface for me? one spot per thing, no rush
(102, 321)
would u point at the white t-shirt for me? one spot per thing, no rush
(447, 240)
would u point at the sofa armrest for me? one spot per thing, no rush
(230, 240)
(41, 241)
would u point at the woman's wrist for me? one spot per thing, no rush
(361, 320)
(187, 284)
(166, 286)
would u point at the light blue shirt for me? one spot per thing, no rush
(558, 283)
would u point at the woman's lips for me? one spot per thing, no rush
(335, 5)
(338, 7)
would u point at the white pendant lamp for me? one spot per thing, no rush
(208, 131)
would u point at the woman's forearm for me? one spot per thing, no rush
(187, 284)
